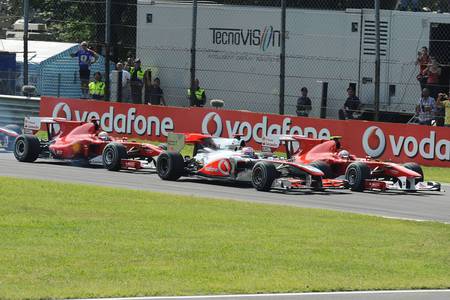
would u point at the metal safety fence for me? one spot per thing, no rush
(257, 55)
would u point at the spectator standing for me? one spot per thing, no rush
(125, 81)
(155, 95)
(97, 87)
(148, 84)
(86, 57)
(136, 82)
(443, 103)
(423, 60)
(129, 63)
(426, 108)
(351, 105)
(304, 105)
(198, 97)
(433, 72)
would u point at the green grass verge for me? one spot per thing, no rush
(64, 241)
(437, 174)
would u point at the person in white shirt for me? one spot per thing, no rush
(426, 108)
(125, 81)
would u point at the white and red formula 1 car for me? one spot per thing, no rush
(229, 159)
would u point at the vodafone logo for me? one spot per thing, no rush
(225, 167)
(62, 110)
(213, 124)
(374, 141)
(215, 119)
(127, 122)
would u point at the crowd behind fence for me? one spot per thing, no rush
(239, 51)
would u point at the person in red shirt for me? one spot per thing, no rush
(433, 73)
(423, 60)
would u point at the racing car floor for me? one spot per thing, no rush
(422, 206)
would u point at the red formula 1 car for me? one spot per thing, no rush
(8, 135)
(85, 144)
(228, 159)
(361, 173)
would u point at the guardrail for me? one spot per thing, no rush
(13, 109)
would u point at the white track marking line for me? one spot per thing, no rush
(276, 295)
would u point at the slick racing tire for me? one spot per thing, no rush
(112, 156)
(263, 175)
(356, 174)
(416, 168)
(170, 166)
(324, 167)
(27, 148)
(10, 141)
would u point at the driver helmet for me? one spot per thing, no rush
(248, 151)
(344, 154)
(104, 136)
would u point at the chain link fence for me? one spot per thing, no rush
(238, 50)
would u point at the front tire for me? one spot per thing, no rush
(356, 175)
(170, 166)
(27, 148)
(263, 175)
(112, 156)
(416, 168)
(324, 167)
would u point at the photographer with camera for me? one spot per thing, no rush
(444, 103)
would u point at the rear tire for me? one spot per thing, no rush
(27, 148)
(324, 167)
(263, 175)
(170, 166)
(356, 175)
(112, 156)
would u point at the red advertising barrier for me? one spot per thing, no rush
(397, 142)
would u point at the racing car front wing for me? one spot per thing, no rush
(402, 184)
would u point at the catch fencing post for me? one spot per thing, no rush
(193, 51)
(282, 57)
(107, 47)
(323, 104)
(26, 19)
(119, 86)
(377, 61)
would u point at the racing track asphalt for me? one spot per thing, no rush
(417, 206)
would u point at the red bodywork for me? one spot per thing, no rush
(312, 150)
(79, 140)
(231, 165)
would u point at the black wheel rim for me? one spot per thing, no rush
(163, 166)
(352, 176)
(109, 156)
(20, 148)
(258, 176)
